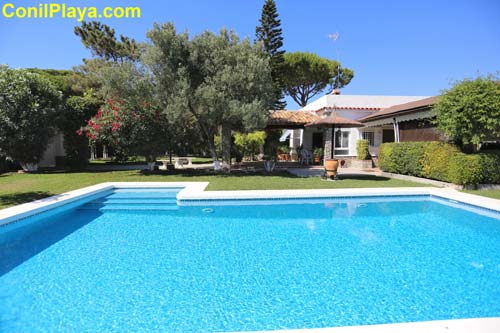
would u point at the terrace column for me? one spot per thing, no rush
(396, 130)
(328, 144)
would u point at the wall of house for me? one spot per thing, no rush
(54, 149)
(419, 130)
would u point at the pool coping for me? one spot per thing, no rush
(476, 325)
(195, 191)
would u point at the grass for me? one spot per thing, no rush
(495, 194)
(20, 188)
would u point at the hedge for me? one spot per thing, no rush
(362, 150)
(402, 158)
(440, 161)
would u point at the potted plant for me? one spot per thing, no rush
(318, 154)
(331, 166)
(284, 153)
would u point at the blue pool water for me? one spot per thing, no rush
(136, 261)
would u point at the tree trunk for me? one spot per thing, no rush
(226, 147)
(211, 148)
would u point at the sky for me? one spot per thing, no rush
(394, 47)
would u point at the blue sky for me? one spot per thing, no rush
(394, 47)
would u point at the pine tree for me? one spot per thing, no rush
(101, 40)
(270, 34)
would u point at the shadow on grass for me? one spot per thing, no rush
(206, 172)
(364, 177)
(20, 198)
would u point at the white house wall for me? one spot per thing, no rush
(54, 148)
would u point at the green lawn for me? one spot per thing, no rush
(20, 188)
(495, 194)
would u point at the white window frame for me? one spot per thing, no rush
(371, 144)
(343, 147)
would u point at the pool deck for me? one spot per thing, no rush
(195, 191)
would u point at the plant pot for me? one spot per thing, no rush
(331, 167)
(317, 159)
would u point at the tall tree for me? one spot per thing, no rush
(101, 40)
(469, 112)
(28, 106)
(224, 83)
(307, 74)
(269, 33)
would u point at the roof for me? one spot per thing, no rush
(334, 120)
(401, 108)
(358, 102)
(290, 119)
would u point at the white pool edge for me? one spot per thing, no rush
(475, 325)
(196, 191)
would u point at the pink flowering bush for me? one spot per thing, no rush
(139, 130)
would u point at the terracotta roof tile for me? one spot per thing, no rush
(284, 118)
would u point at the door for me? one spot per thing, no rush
(317, 140)
(387, 135)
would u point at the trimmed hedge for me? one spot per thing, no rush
(441, 161)
(362, 150)
(436, 160)
(402, 158)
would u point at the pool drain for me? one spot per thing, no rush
(207, 210)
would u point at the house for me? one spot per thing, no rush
(386, 119)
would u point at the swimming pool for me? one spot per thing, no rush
(139, 260)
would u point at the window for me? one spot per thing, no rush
(342, 142)
(370, 137)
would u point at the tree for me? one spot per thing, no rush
(131, 119)
(77, 109)
(101, 40)
(469, 112)
(28, 107)
(79, 103)
(269, 33)
(307, 74)
(224, 83)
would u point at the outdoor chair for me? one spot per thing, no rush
(306, 157)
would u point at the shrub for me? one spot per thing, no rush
(386, 159)
(440, 161)
(436, 160)
(465, 169)
(490, 162)
(404, 158)
(249, 144)
(362, 150)
(28, 108)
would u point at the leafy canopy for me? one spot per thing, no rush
(28, 106)
(221, 81)
(307, 74)
(469, 112)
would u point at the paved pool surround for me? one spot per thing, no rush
(193, 192)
